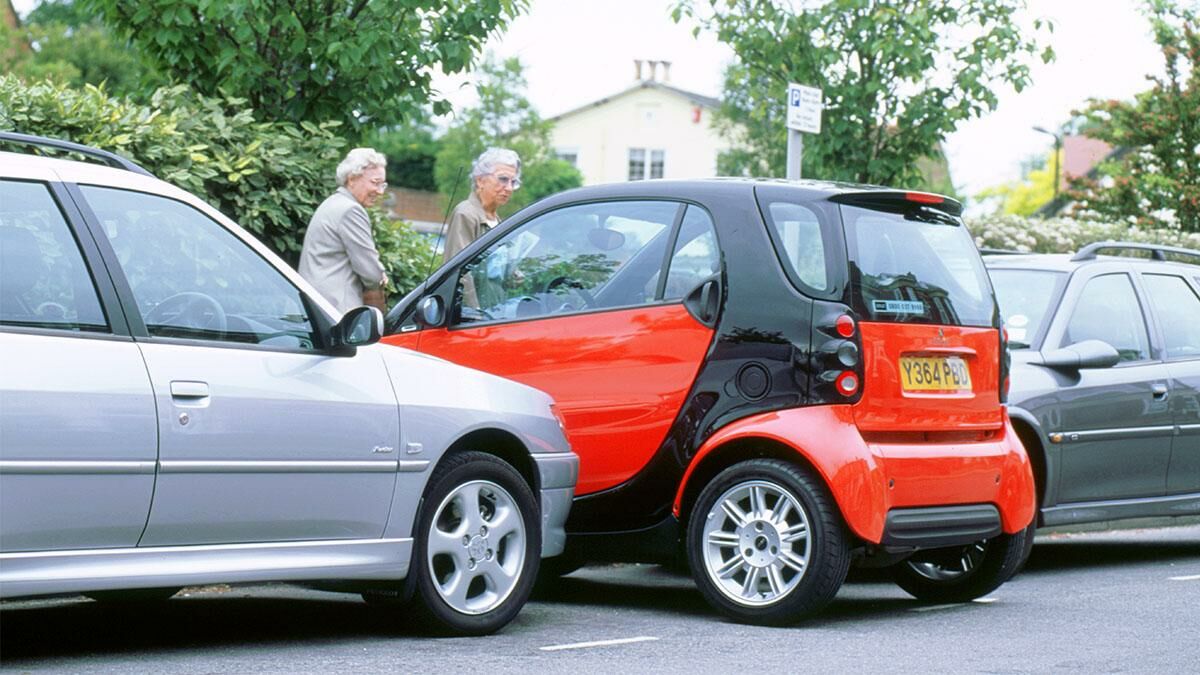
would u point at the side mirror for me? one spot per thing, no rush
(431, 311)
(359, 327)
(1085, 354)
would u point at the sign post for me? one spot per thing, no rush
(803, 116)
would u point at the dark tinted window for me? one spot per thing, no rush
(1178, 310)
(1025, 298)
(192, 278)
(1108, 310)
(43, 280)
(916, 266)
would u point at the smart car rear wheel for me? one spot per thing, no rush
(479, 544)
(766, 544)
(963, 573)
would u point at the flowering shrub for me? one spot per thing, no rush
(1066, 235)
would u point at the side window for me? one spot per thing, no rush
(1108, 310)
(578, 258)
(798, 234)
(192, 278)
(696, 256)
(43, 280)
(1178, 310)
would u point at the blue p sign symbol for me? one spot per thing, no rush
(795, 97)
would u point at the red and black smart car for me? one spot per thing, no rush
(781, 379)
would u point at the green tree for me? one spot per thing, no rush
(68, 45)
(1026, 196)
(350, 60)
(411, 151)
(897, 77)
(1156, 182)
(504, 117)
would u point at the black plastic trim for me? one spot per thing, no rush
(940, 526)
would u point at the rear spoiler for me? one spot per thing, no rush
(894, 199)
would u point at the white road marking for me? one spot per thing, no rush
(599, 643)
(1193, 577)
(934, 608)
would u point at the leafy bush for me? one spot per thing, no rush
(267, 176)
(1066, 235)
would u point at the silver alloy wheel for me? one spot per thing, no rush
(969, 558)
(476, 549)
(756, 543)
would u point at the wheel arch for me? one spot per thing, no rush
(501, 444)
(1029, 432)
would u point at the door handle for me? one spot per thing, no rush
(190, 390)
(1160, 391)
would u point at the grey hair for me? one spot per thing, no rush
(487, 161)
(357, 161)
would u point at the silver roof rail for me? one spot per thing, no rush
(108, 158)
(1157, 251)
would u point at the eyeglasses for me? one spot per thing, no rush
(379, 184)
(508, 181)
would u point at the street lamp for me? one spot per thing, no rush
(1057, 149)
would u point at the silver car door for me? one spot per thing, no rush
(1176, 305)
(264, 436)
(78, 441)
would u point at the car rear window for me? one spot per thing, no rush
(915, 265)
(1025, 298)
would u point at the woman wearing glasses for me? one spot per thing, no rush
(495, 175)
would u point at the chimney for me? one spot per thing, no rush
(637, 70)
(666, 70)
(653, 70)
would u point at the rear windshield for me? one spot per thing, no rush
(915, 266)
(1025, 297)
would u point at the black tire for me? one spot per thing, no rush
(509, 561)
(963, 573)
(134, 595)
(768, 545)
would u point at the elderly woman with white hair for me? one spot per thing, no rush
(495, 175)
(339, 255)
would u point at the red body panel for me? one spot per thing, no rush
(619, 378)
(885, 406)
(867, 479)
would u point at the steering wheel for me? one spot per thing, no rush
(575, 286)
(189, 309)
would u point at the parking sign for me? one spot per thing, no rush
(804, 108)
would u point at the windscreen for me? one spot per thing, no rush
(915, 265)
(1025, 297)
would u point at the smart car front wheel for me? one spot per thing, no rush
(479, 544)
(766, 544)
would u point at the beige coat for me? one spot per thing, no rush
(339, 255)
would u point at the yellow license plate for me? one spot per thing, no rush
(934, 373)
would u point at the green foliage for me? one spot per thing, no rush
(411, 152)
(268, 176)
(897, 76)
(408, 256)
(1025, 197)
(349, 60)
(503, 118)
(1066, 235)
(1157, 182)
(69, 47)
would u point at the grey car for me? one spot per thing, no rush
(179, 407)
(1105, 378)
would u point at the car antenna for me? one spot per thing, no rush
(445, 222)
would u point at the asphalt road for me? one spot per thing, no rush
(1098, 602)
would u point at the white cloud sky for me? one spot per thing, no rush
(576, 51)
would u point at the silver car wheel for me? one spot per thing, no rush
(756, 543)
(476, 550)
(969, 558)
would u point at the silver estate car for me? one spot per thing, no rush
(178, 407)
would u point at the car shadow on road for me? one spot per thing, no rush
(79, 627)
(1053, 556)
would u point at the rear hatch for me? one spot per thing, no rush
(927, 318)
